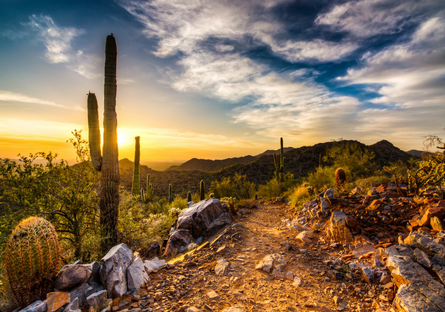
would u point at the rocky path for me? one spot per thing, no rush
(232, 273)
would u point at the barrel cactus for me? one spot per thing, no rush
(32, 260)
(340, 178)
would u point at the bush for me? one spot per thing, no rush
(274, 188)
(298, 194)
(323, 178)
(239, 187)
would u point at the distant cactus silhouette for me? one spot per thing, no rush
(201, 190)
(279, 167)
(340, 177)
(32, 260)
(136, 177)
(170, 194)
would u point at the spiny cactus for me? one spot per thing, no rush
(146, 195)
(137, 156)
(279, 167)
(189, 196)
(340, 178)
(107, 163)
(32, 260)
(201, 190)
(170, 193)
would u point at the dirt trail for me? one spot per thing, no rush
(192, 282)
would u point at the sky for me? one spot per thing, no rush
(217, 78)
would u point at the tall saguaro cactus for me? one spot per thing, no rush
(136, 177)
(107, 163)
(170, 193)
(279, 168)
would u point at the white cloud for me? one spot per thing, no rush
(367, 18)
(58, 44)
(8, 96)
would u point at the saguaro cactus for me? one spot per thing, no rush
(279, 167)
(146, 195)
(136, 177)
(107, 163)
(201, 190)
(189, 196)
(32, 260)
(170, 193)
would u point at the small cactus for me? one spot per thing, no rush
(201, 190)
(340, 178)
(32, 260)
(189, 196)
(136, 177)
(279, 167)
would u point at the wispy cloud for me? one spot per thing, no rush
(8, 96)
(58, 43)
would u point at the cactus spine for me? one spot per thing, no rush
(137, 157)
(107, 163)
(201, 190)
(32, 260)
(189, 196)
(170, 194)
(279, 168)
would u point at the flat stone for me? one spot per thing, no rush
(266, 264)
(98, 301)
(212, 295)
(154, 265)
(235, 308)
(222, 267)
(57, 301)
(436, 224)
(422, 258)
(429, 213)
(38, 306)
(304, 237)
(385, 278)
(368, 274)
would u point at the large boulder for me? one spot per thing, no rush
(204, 218)
(201, 219)
(113, 272)
(71, 276)
(136, 275)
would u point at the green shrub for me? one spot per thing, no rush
(298, 194)
(323, 178)
(275, 188)
(238, 187)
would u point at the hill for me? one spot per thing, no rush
(299, 161)
(418, 153)
(208, 165)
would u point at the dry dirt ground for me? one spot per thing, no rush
(191, 284)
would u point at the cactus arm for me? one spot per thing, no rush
(136, 175)
(94, 131)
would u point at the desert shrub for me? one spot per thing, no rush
(356, 161)
(322, 178)
(65, 195)
(298, 194)
(369, 182)
(275, 188)
(246, 203)
(238, 187)
(179, 202)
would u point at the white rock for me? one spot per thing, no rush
(113, 272)
(153, 265)
(136, 275)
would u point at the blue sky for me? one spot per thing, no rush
(215, 79)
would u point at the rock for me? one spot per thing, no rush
(71, 276)
(409, 299)
(114, 270)
(324, 204)
(267, 263)
(426, 244)
(422, 258)
(297, 282)
(137, 277)
(153, 265)
(204, 218)
(400, 251)
(80, 293)
(222, 267)
(178, 239)
(235, 308)
(436, 224)
(385, 278)
(73, 306)
(289, 276)
(368, 274)
(304, 237)
(192, 309)
(356, 191)
(94, 267)
(57, 301)
(375, 205)
(429, 213)
(372, 191)
(38, 306)
(337, 227)
(325, 309)
(154, 250)
(212, 295)
(98, 301)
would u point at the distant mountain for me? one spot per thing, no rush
(418, 153)
(208, 165)
(299, 161)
